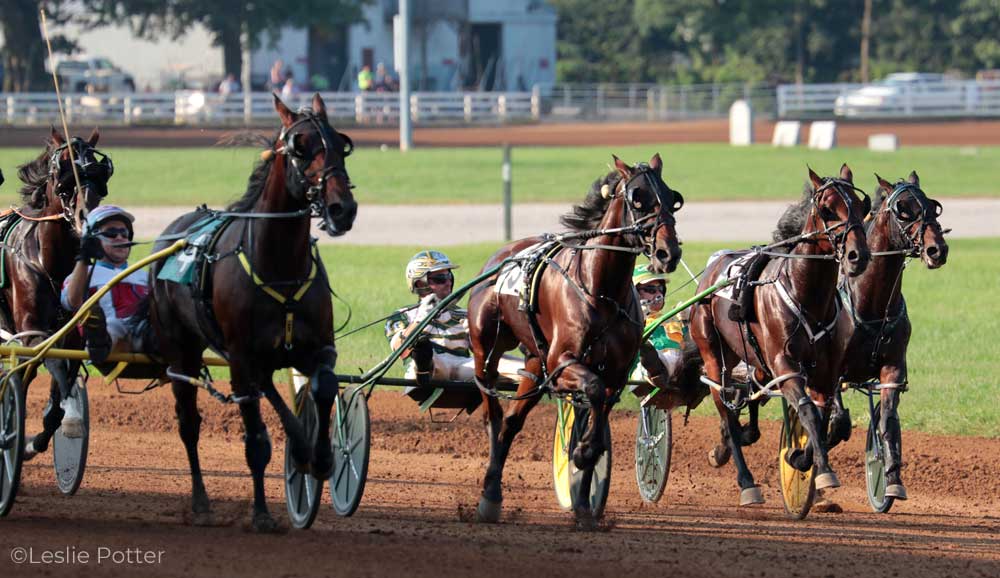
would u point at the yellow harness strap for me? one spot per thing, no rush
(289, 314)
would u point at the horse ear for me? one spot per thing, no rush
(318, 106)
(913, 179)
(286, 114)
(886, 185)
(623, 169)
(817, 182)
(94, 137)
(656, 163)
(846, 174)
(57, 138)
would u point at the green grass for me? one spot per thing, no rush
(189, 177)
(953, 357)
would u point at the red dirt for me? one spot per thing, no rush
(424, 483)
(959, 133)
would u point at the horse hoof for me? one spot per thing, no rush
(263, 523)
(202, 519)
(584, 519)
(825, 506)
(322, 468)
(717, 458)
(488, 512)
(895, 491)
(751, 496)
(827, 480)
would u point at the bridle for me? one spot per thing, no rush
(306, 185)
(93, 166)
(912, 226)
(638, 212)
(838, 240)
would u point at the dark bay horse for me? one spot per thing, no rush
(874, 328)
(265, 252)
(587, 327)
(787, 338)
(40, 249)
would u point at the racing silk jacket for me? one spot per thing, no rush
(448, 333)
(121, 302)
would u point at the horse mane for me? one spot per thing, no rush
(255, 184)
(793, 219)
(35, 176)
(589, 214)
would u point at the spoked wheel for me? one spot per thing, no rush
(797, 488)
(560, 454)
(653, 444)
(69, 455)
(875, 465)
(601, 482)
(351, 435)
(303, 490)
(11, 443)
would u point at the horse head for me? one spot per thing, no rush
(836, 217)
(78, 176)
(314, 154)
(649, 204)
(915, 216)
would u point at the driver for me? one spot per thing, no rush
(442, 351)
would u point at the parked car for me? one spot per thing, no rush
(898, 91)
(92, 75)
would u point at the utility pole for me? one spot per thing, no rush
(405, 129)
(866, 33)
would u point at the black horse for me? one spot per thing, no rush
(265, 303)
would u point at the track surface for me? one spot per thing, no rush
(962, 132)
(423, 487)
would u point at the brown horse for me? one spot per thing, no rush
(266, 303)
(41, 247)
(874, 328)
(786, 338)
(586, 327)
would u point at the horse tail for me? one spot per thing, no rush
(692, 368)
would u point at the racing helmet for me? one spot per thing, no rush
(106, 212)
(641, 275)
(426, 262)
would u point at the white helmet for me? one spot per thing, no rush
(426, 262)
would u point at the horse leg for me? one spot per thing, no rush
(891, 434)
(840, 422)
(257, 445)
(812, 421)
(502, 429)
(325, 389)
(189, 424)
(302, 452)
(52, 418)
(750, 433)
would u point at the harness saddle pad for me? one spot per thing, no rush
(8, 221)
(519, 278)
(734, 270)
(182, 266)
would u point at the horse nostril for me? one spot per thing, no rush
(932, 252)
(335, 209)
(662, 255)
(852, 256)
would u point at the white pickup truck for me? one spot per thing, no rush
(93, 75)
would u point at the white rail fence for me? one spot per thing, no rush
(194, 107)
(957, 98)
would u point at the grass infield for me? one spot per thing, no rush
(189, 177)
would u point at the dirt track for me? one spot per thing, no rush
(423, 485)
(965, 132)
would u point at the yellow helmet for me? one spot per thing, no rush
(426, 262)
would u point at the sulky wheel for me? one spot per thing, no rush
(560, 454)
(69, 455)
(303, 491)
(797, 488)
(351, 435)
(875, 466)
(11, 442)
(653, 444)
(601, 482)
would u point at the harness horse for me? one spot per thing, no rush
(265, 302)
(874, 328)
(785, 336)
(583, 331)
(39, 243)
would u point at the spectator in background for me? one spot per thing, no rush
(381, 78)
(365, 79)
(288, 89)
(229, 85)
(277, 81)
(319, 82)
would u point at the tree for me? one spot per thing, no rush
(226, 20)
(24, 53)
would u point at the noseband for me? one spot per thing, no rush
(639, 211)
(838, 240)
(930, 210)
(310, 185)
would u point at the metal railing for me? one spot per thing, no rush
(955, 98)
(202, 108)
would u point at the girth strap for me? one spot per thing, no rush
(288, 302)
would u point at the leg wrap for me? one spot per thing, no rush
(423, 357)
(258, 450)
